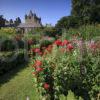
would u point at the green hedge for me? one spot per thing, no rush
(6, 64)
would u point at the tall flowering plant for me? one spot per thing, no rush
(62, 68)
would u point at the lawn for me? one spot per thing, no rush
(17, 85)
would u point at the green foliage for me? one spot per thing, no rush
(70, 70)
(52, 32)
(83, 12)
(17, 21)
(7, 31)
(47, 41)
(7, 45)
(71, 96)
(10, 60)
(2, 21)
(34, 37)
(88, 12)
(68, 22)
(38, 31)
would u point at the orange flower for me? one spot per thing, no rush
(34, 73)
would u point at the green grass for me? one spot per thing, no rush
(18, 87)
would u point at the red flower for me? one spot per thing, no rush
(93, 46)
(39, 69)
(37, 63)
(65, 42)
(46, 86)
(70, 47)
(37, 50)
(58, 42)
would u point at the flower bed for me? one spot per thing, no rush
(67, 65)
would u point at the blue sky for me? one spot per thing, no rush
(49, 10)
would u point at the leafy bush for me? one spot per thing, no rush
(34, 37)
(87, 32)
(52, 32)
(6, 63)
(46, 41)
(68, 22)
(11, 44)
(8, 31)
(69, 66)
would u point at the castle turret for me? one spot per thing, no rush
(32, 18)
(31, 21)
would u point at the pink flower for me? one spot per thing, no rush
(93, 46)
(37, 50)
(46, 86)
(39, 69)
(70, 47)
(38, 63)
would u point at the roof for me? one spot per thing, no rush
(29, 25)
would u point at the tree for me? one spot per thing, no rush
(67, 22)
(87, 10)
(11, 22)
(17, 21)
(2, 21)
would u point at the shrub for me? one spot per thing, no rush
(52, 32)
(68, 22)
(46, 41)
(8, 31)
(11, 44)
(6, 63)
(71, 66)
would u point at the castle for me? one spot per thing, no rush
(31, 22)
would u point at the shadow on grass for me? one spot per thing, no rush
(12, 73)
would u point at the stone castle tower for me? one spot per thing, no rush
(32, 18)
(31, 22)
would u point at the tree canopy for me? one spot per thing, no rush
(2, 21)
(83, 12)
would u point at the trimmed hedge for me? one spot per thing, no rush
(6, 64)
